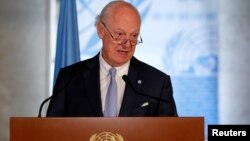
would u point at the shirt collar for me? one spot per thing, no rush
(120, 71)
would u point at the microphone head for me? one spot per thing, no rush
(125, 78)
(128, 82)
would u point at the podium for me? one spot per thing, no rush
(107, 129)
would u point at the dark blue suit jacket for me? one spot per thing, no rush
(77, 91)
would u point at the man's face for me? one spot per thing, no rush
(117, 33)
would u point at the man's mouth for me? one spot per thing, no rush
(122, 52)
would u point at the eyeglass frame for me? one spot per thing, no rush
(123, 41)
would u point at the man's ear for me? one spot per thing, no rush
(100, 30)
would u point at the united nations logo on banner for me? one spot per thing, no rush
(106, 136)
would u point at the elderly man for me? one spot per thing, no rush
(113, 83)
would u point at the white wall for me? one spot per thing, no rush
(24, 59)
(234, 62)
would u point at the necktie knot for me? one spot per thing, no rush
(112, 72)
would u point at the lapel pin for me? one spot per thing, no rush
(139, 81)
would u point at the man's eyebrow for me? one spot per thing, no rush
(132, 33)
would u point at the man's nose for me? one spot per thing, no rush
(127, 42)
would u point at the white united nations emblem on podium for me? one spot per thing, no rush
(106, 136)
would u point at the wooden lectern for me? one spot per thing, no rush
(107, 129)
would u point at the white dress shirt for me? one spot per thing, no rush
(105, 80)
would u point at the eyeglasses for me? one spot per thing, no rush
(121, 37)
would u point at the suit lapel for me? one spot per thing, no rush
(130, 96)
(92, 80)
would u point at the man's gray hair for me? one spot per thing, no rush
(104, 12)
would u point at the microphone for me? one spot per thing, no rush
(127, 81)
(49, 98)
(55, 93)
(41, 106)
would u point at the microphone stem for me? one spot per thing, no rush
(41, 107)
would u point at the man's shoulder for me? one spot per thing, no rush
(82, 65)
(147, 68)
